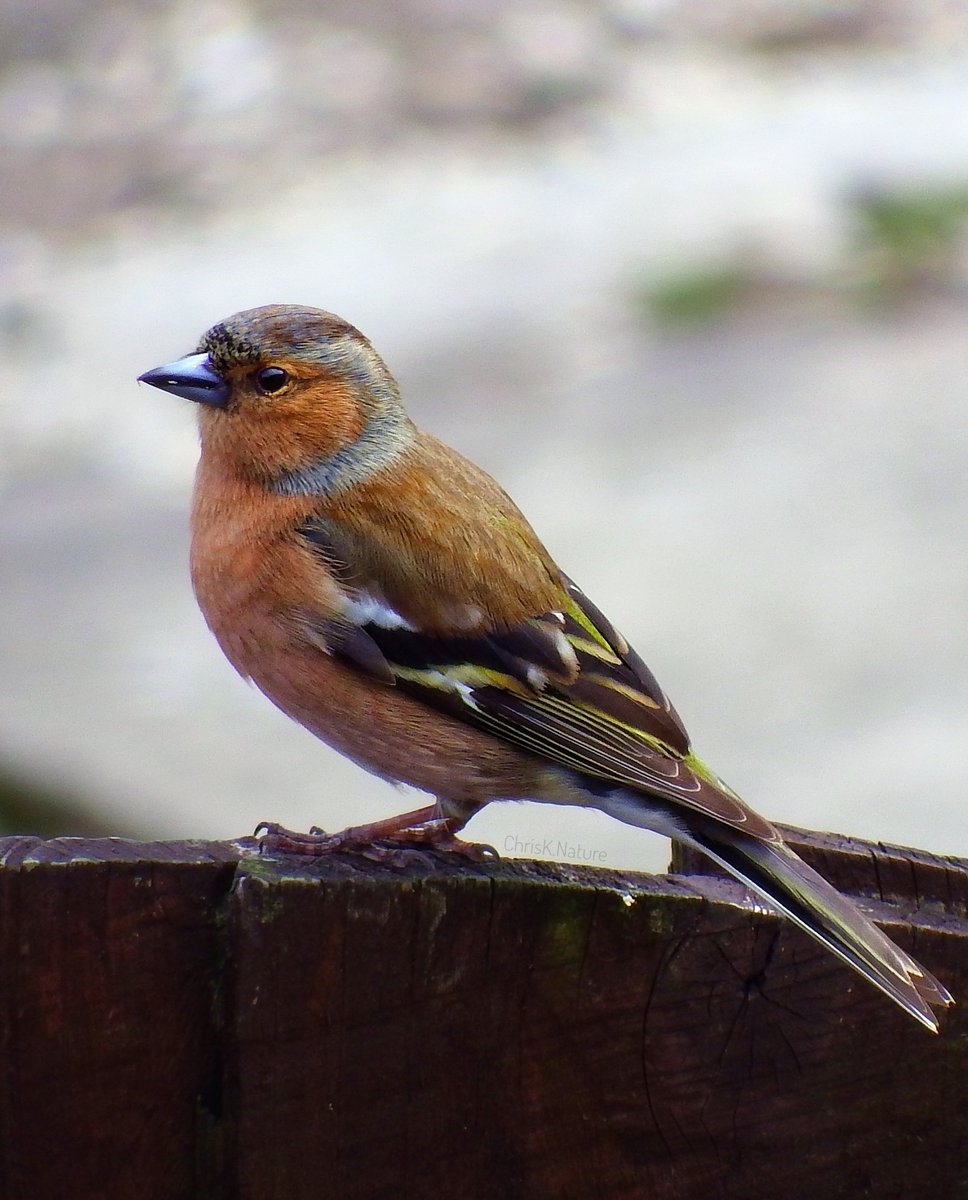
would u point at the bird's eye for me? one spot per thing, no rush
(271, 379)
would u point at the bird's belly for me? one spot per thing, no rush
(238, 577)
(377, 726)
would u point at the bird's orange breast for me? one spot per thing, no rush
(253, 575)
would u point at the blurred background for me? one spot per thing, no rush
(690, 278)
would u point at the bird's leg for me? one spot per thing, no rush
(379, 840)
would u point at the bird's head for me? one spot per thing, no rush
(282, 388)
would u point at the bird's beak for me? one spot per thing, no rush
(192, 378)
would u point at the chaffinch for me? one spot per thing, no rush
(389, 596)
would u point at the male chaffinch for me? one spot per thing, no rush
(387, 594)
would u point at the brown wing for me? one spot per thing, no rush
(564, 685)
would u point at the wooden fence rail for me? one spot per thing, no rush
(192, 1020)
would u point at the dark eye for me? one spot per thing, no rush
(271, 379)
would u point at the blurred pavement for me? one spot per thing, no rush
(772, 507)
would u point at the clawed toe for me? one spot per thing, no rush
(401, 847)
(476, 852)
(275, 839)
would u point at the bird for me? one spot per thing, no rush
(387, 594)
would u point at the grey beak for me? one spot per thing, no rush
(192, 378)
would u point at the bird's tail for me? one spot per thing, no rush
(782, 878)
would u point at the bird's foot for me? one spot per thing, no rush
(398, 841)
(438, 833)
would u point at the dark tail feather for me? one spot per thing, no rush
(782, 878)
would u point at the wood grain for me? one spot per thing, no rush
(181, 1020)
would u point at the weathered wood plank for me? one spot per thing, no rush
(107, 1040)
(566, 1042)
(177, 1020)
